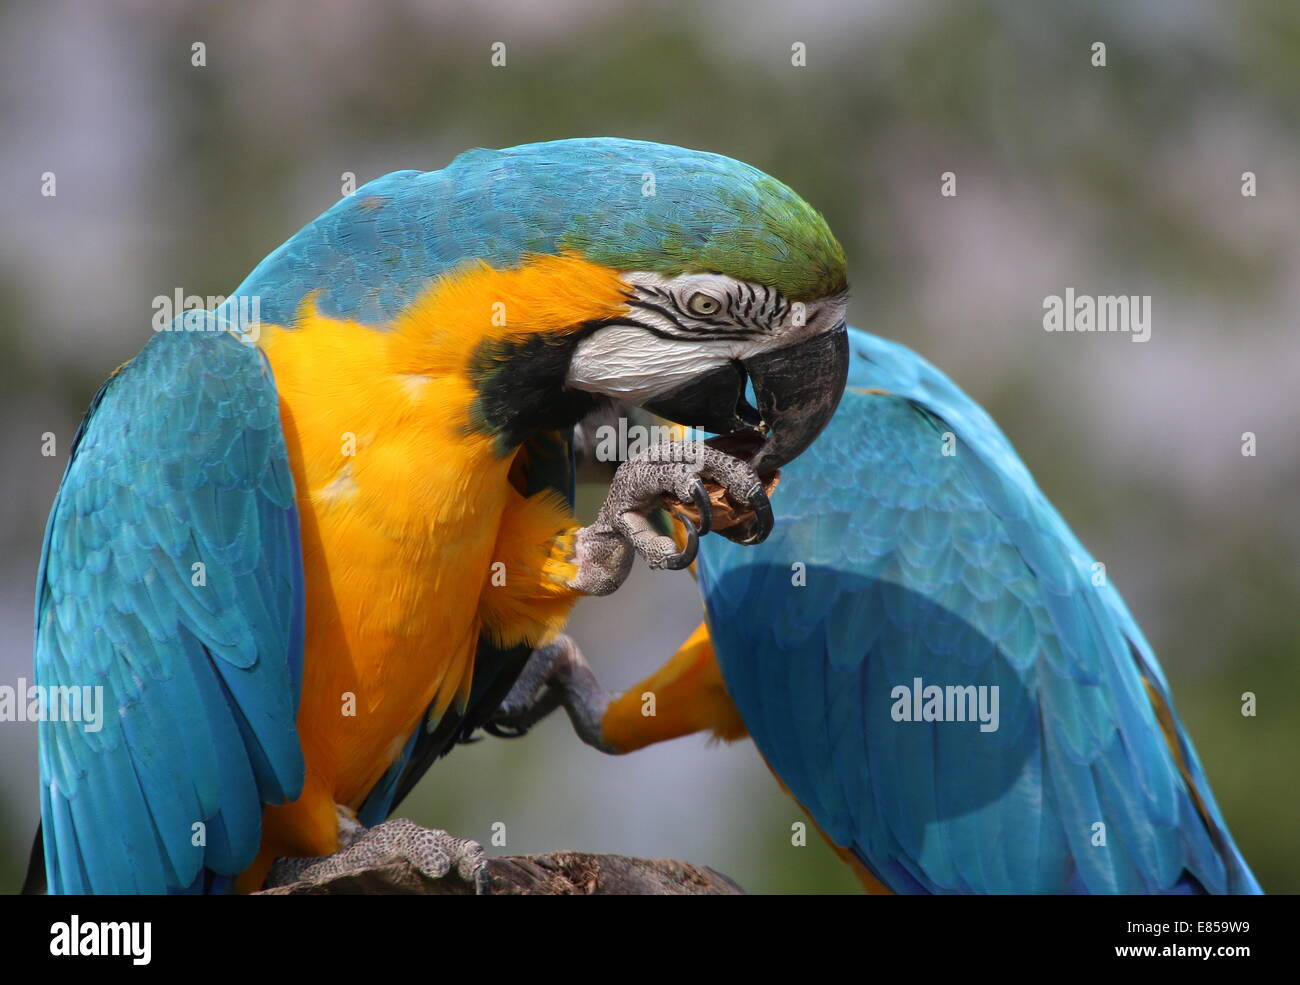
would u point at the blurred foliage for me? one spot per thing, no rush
(1119, 164)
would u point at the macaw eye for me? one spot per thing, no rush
(700, 303)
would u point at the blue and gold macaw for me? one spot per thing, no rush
(307, 540)
(932, 665)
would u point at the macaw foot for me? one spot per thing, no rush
(350, 829)
(434, 853)
(555, 675)
(664, 475)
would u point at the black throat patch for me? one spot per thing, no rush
(520, 386)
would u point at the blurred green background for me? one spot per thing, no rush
(1122, 179)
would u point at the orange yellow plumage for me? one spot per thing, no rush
(404, 511)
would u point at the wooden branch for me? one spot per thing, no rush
(553, 874)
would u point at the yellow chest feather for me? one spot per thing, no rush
(402, 506)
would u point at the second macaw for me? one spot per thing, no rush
(308, 539)
(933, 666)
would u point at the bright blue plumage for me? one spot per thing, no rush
(957, 570)
(179, 461)
(375, 250)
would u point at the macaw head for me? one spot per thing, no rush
(735, 287)
(682, 282)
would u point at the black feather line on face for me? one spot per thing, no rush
(724, 326)
(752, 310)
(747, 311)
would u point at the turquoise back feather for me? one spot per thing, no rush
(954, 569)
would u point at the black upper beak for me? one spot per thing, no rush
(797, 388)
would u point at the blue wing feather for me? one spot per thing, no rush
(955, 569)
(179, 462)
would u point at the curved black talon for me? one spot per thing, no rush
(675, 562)
(503, 731)
(702, 503)
(763, 519)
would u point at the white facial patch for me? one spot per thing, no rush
(632, 364)
(689, 325)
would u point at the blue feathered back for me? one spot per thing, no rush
(954, 569)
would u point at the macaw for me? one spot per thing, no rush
(913, 555)
(306, 540)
